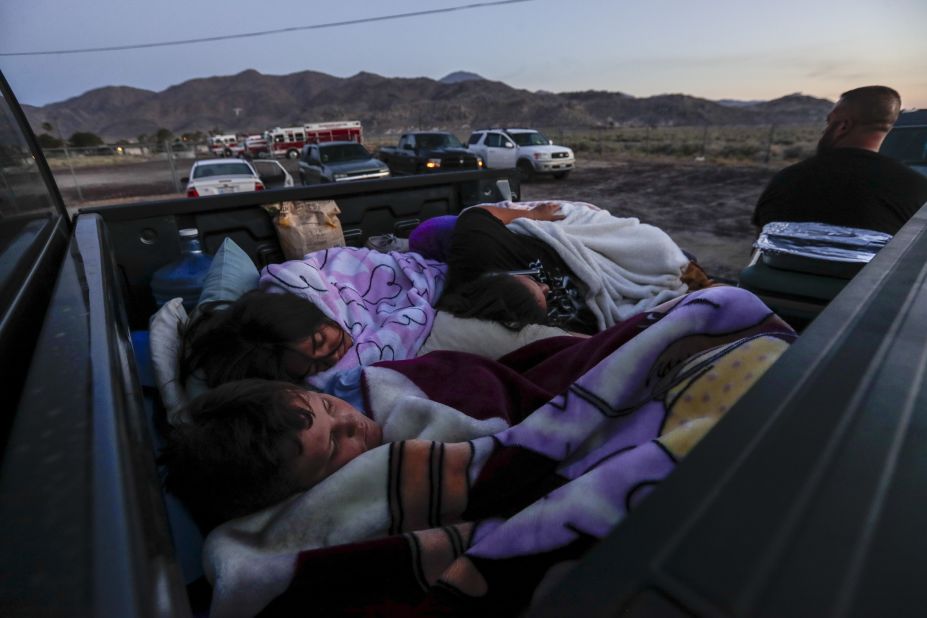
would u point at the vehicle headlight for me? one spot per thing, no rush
(479, 162)
(340, 176)
(541, 155)
(433, 164)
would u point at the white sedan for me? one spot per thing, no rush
(215, 176)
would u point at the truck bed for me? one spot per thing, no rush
(85, 529)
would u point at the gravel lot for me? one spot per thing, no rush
(704, 206)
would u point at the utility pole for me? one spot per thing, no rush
(170, 161)
(67, 156)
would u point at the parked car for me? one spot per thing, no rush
(907, 141)
(526, 149)
(215, 176)
(272, 174)
(431, 151)
(337, 162)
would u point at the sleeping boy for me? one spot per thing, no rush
(249, 444)
(253, 443)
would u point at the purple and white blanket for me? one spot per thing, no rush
(475, 525)
(384, 300)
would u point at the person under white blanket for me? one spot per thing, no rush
(592, 269)
(252, 443)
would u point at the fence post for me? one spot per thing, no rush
(170, 161)
(769, 141)
(67, 155)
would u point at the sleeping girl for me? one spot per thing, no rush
(337, 310)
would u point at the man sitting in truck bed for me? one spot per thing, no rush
(848, 182)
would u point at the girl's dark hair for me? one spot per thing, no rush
(495, 296)
(232, 457)
(250, 338)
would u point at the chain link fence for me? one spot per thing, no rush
(124, 171)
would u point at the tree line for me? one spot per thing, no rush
(86, 139)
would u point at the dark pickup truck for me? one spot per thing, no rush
(808, 499)
(422, 152)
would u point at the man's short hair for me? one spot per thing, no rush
(876, 107)
(231, 459)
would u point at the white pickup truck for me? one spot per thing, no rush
(525, 149)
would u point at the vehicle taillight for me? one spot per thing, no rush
(258, 186)
(192, 192)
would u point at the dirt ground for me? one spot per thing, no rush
(703, 205)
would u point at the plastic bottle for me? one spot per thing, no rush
(185, 276)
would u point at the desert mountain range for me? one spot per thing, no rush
(251, 102)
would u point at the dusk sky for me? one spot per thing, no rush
(712, 49)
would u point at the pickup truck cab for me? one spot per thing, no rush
(432, 151)
(525, 149)
(338, 162)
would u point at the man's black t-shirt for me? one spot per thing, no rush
(482, 243)
(844, 186)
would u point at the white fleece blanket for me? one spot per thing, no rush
(627, 266)
(250, 560)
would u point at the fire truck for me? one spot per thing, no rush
(256, 145)
(224, 145)
(288, 141)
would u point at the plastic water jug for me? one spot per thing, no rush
(185, 276)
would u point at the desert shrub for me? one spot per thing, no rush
(673, 149)
(585, 146)
(795, 152)
(741, 151)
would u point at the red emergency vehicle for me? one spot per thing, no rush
(256, 145)
(224, 145)
(288, 141)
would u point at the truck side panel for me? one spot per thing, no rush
(83, 528)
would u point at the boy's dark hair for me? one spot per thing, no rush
(874, 106)
(230, 459)
(250, 338)
(495, 296)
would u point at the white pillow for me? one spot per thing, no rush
(165, 341)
